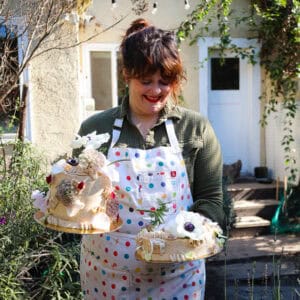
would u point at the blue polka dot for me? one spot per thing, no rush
(126, 256)
(173, 271)
(200, 281)
(97, 257)
(126, 154)
(131, 209)
(107, 237)
(120, 206)
(182, 174)
(96, 290)
(160, 163)
(128, 188)
(141, 223)
(84, 292)
(103, 272)
(163, 184)
(138, 289)
(123, 288)
(172, 163)
(151, 185)
(182, 275)
(175, 298)
(163, 273)
(128, 221)
(137, 155)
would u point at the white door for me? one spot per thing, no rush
(227, 106)
(229, 97)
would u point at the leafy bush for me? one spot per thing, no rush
(35, 263)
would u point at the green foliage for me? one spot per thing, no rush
(35, 263)
(275, 24)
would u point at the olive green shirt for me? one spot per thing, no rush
(200, 149)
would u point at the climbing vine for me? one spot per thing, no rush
(276, 25)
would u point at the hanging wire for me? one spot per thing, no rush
(186, 4)
(154, 8)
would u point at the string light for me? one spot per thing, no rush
(113, 4)
(186, 4)
(154, 9)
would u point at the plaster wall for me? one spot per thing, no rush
(54, 95)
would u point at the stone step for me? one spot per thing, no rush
(264, 208)
(250, 226)
(252, 191)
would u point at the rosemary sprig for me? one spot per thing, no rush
(157, 215)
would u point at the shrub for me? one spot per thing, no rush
(35, 263)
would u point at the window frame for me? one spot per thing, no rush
(86, 87)
(24, 77)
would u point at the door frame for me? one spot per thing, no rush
(254, 88)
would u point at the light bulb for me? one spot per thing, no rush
(154, 10)
(186, 4)
(113, 4)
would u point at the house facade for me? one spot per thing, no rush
(68, 85)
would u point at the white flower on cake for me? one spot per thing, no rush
(39, 200)
(187, 224)
(91, 140)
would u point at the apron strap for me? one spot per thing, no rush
(118, 123)
(172, 135)
(116, 132)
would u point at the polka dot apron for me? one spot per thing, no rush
(108, 266)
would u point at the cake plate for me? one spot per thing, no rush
(40, 218)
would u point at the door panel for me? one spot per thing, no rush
(227, 107)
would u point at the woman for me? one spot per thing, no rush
(167, 153)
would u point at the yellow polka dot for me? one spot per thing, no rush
(164, 196)
(140, 201)
(137, 270)
(113, 275)
(181, 267)
(182, 162)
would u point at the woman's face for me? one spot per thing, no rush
(148, 95)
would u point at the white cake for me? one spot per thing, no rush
(80, 194)
(188, 236)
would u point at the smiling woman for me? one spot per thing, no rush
(166, 155)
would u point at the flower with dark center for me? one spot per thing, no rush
(188, 226)
(72, 161)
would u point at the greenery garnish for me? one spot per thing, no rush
(157, 215)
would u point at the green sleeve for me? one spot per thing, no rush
(207, 178)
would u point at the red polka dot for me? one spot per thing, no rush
(106, 250)
(197, 271)
(128, 177)
(88, 292)
(138, 280)
(115, 253)
(105, 261)
(153, 208)
(89, 263)
(95, 268)
(162, 282)
(127, 244)
(103, 283)
(186, 297)
(142, 212)
(113, 298)
(184, 286)
(117, 187)
(118, 153)
(113, 286)
(104, 294)
(193, 283)
(182, 197)
(124, 277)
(149, 280)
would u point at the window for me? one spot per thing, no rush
(8, 71)
(103, 78)
(225, 74)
